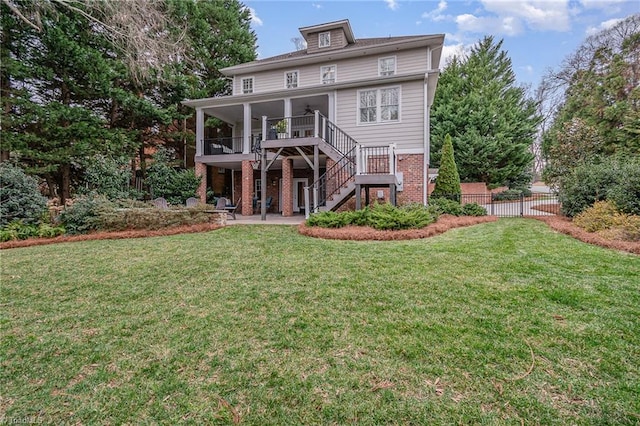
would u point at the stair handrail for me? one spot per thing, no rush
(334, 135)
(340, 173)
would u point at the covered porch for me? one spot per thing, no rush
(287, 164)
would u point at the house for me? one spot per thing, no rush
(315, 128)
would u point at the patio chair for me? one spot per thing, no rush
(160, 203)
(221, 204)
(231, 209)
(191, 201)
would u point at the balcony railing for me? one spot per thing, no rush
(376, 160)
(302, 126)
(220, 146)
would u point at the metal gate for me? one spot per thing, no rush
(517, 205)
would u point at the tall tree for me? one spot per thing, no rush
(78, 85)
(599, 84)
(489, 117)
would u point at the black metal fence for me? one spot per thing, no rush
(515, 205)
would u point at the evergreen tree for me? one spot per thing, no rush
(72, 91)
(602, 91)
(491, 120)
(448, 180)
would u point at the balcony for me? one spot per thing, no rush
(220, 146)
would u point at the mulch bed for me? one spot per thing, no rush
(119, 235)
(361, 233)
(565, 226)
(355, 233)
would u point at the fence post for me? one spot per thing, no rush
(307, 205)
(315, 198)
(521, 203)
(491, 201)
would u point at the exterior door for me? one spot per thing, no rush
(298, 193)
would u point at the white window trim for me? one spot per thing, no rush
(378, 106)
(257, 187)
(253, 85)
(335, 73)
(395, 65)
(328, 34)
(297, 72)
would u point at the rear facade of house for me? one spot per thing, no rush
(311, 130)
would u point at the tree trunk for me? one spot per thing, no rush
(65, 183)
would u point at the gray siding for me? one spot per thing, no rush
(338, 41)
(407, 62)
(408, 133)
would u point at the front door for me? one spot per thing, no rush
(298, 193)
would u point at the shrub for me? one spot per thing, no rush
(448, 180)
(602, 215)
(18, 230)
(83, 215)
(165, 181)
(387, 217)
(616, 179)
(508, 195)
(378, 216)
(20, 198)
(446, 206)
(108, 176)
(473, 209)
(150, 218)
(606, 219)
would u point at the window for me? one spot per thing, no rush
(328, 74)
(247, 85)
(387, 66)
(291, 79)
(389, 104)
(257, 189)
(379, 105)
(324, 39)
(368, 109)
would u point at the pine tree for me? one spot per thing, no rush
(491, 120)
(448, 180)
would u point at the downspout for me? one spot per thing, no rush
(427, 142)
(427, 133)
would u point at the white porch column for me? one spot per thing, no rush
(287, 114)
(332, 106)
(199, 131)
(246, 129)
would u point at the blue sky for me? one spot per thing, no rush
(538, 34)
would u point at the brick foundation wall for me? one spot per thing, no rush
(201, 192)
(411, 167)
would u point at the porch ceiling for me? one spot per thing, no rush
(234, 112)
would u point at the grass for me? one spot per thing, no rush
(259, 325)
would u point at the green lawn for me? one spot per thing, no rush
(259, 325)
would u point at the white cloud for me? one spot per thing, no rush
(492, 25)
(603, 26)
(436, 14)
(392, 4)
(527, 68)
(537, 14)
(255, 20)
(316, 5)
(609, 6)
(448, 52)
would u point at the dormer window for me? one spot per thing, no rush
(291, 79)
(387, 66)
(324, 39)
(247, 85)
